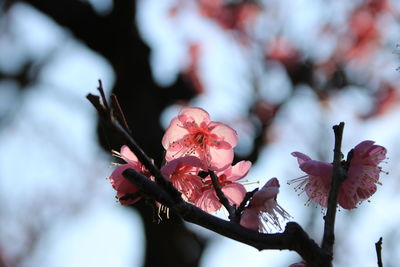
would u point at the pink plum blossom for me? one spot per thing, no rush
(127, 192)
(263, 208)
(363, 174)
(124, 187)
(360, 184)
(234, 192)
(317, 183)
(182, 173)
(193, 133)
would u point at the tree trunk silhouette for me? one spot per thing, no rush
(115, 36)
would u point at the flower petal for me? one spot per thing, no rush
(269, 191)
(234, 192)
(363, 147)
(317, 191)
(174, 132)
(123, 186)
(172, 166)
(128, 156)
(208, 201)
(301, 158)
(239, 170)
(198, 115)
(220, 159)
(250, 219)
(224, 132)
(319, 169)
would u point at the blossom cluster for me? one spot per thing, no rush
(196, 146)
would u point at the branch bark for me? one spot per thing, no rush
(221, 196)
(338, 175)
(378, 248)
(293, 238)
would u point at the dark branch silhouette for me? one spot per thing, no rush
(378, 248)
(338, 175)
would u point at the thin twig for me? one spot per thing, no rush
(103, 96)
(242, 205)
(338, 175)
(121, 114)
(378, 248)
(221, 196)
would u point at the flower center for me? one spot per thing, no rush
(222, 180)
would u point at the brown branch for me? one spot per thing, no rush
(293, 238)
(378, 248)
(338, 175)
(221, 196)
(104, 101)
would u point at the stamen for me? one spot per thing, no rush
(116, 154)
(296, 180)
(249, 183)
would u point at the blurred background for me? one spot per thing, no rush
(281, 73)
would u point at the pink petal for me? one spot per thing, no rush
(250, 219)
(189, 185)
(174, 132)
(263, 195)
(171, 166)
(320, 169)
(317, 190)
(366, 191)
(208, 201)
(347, 201)
(224, 132)
(123, 186)
(358, 186)
(363, 147)
(378, 153)
(128, 156)
(269, 191)
(273, 182)
(198, 115)
(220, 159)
(118, 181)
(352, 181)
(239, 170)
(301, 158)
(234, 192)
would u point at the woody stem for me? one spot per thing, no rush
(221, 196)
(338, 175)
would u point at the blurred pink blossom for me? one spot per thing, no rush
(193, 133)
